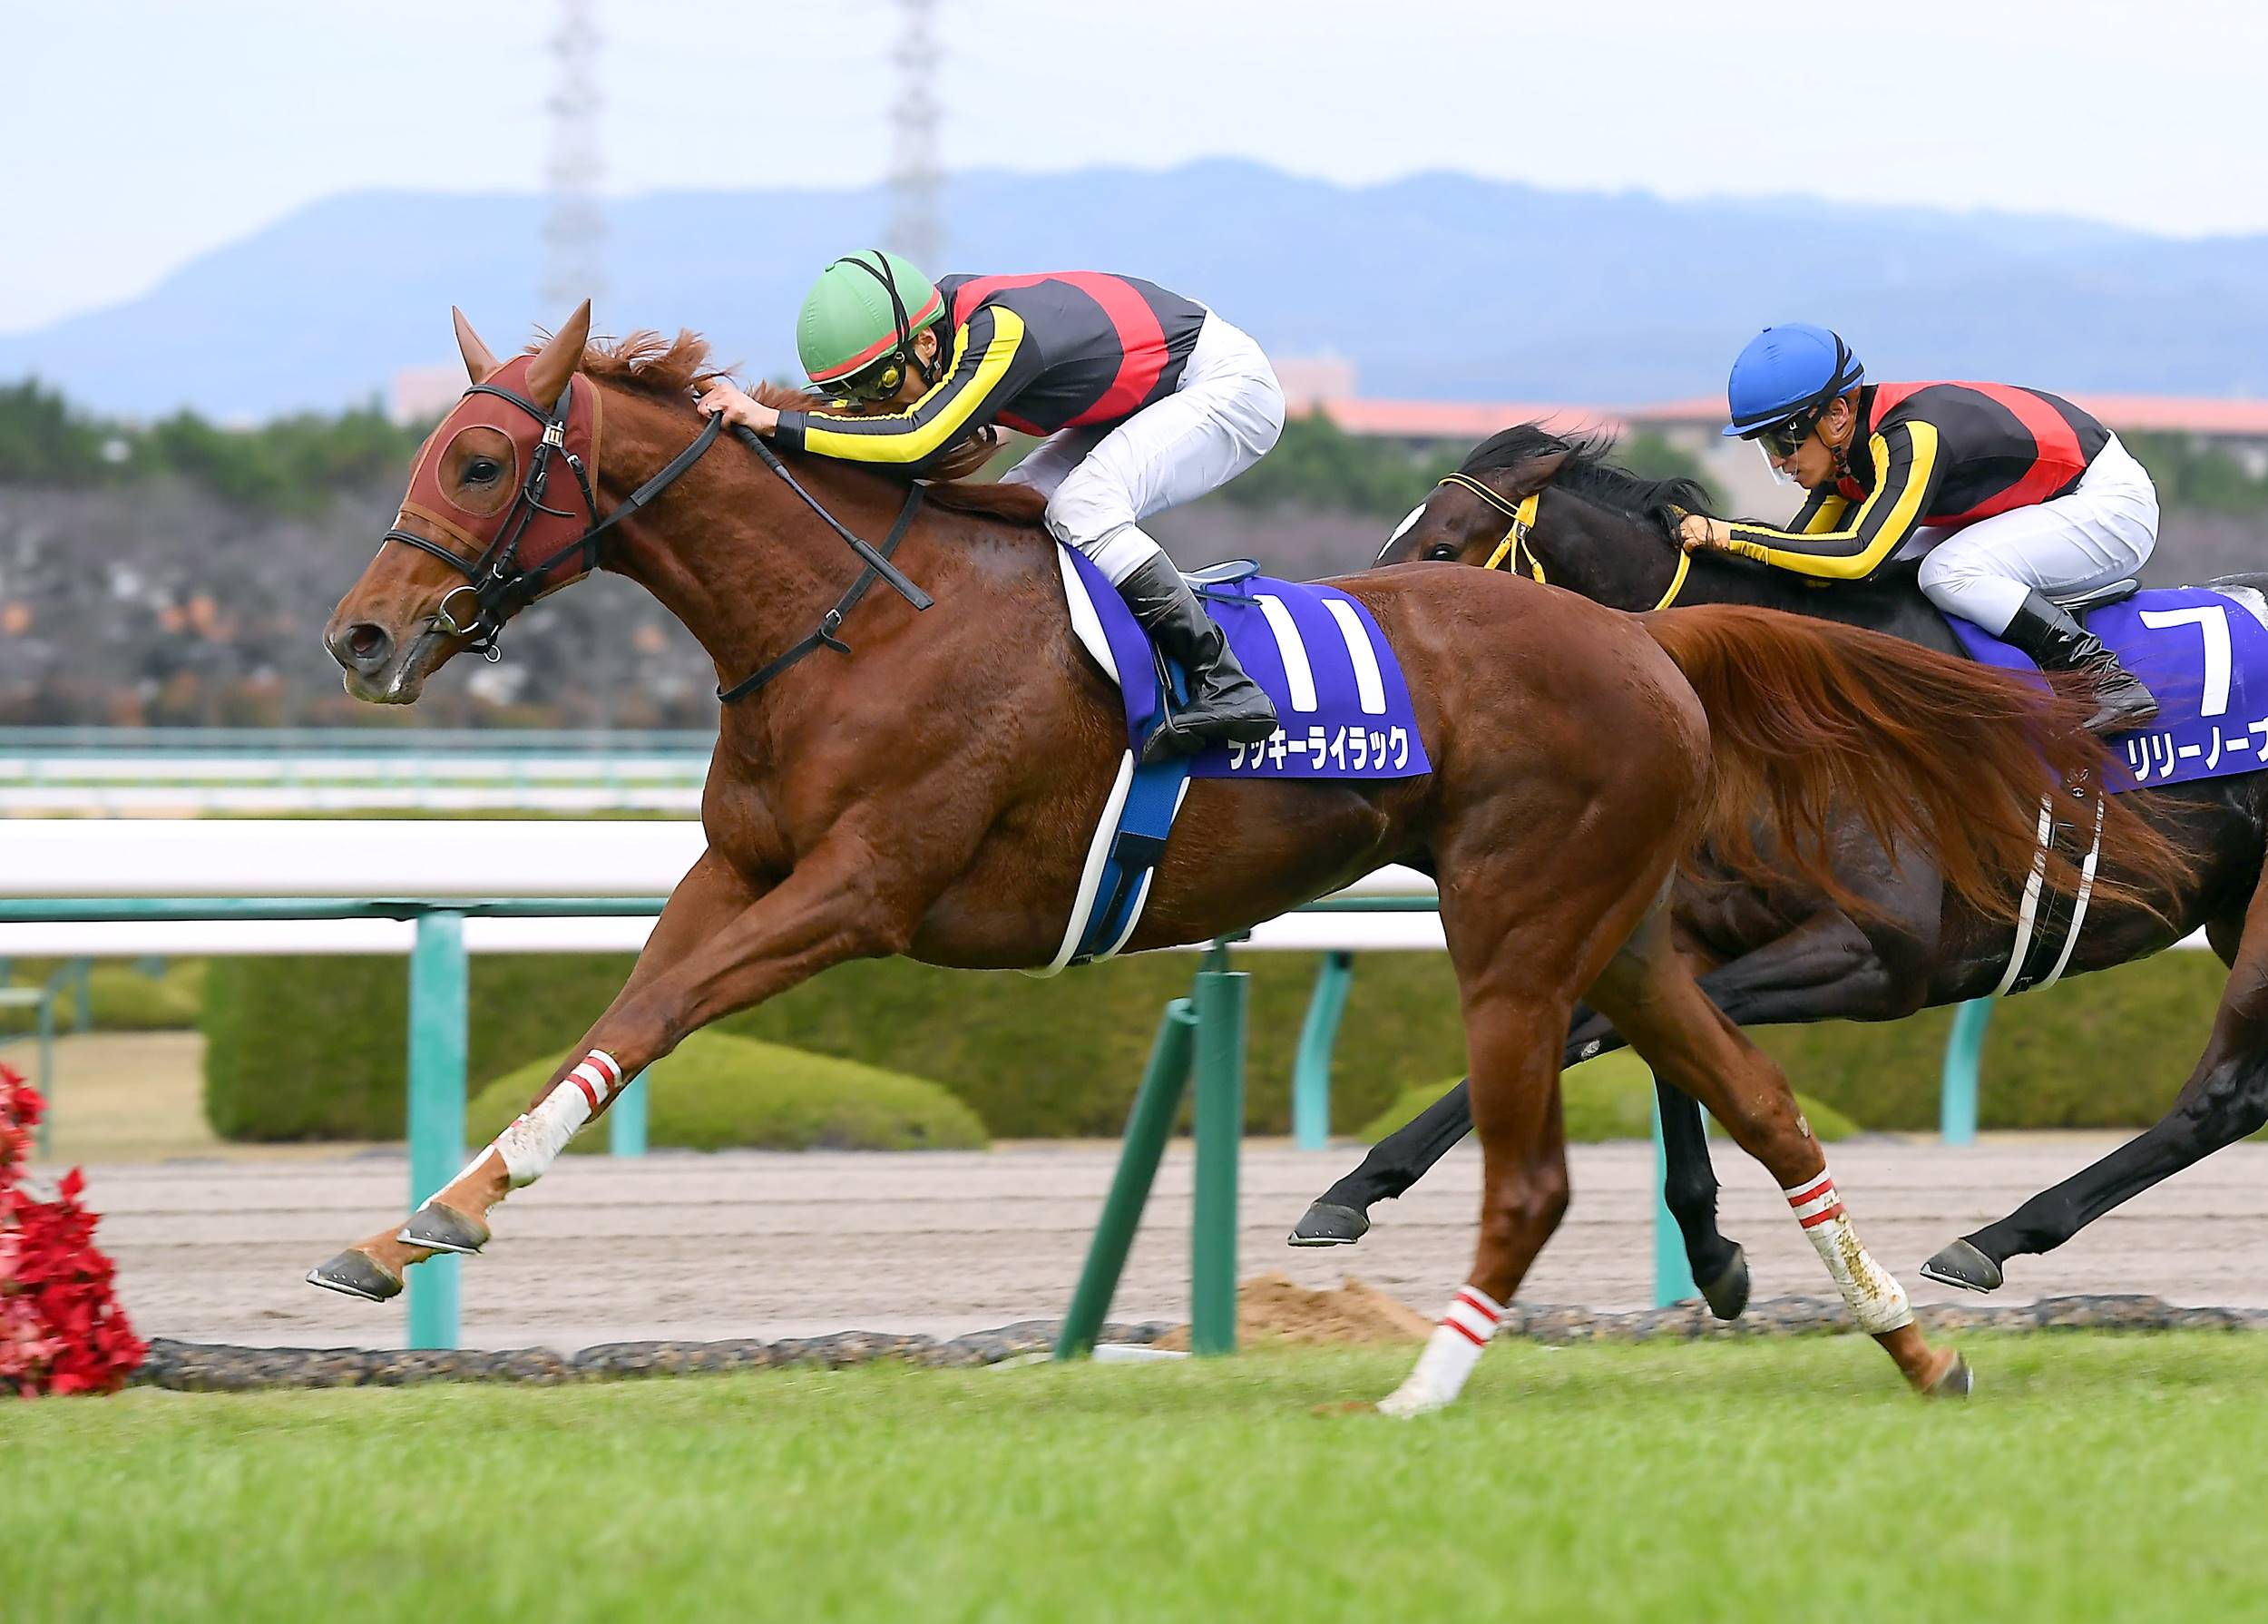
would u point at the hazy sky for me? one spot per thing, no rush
(138, 133)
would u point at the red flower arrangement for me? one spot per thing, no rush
(61, 1328)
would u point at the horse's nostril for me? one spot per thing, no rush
(365, 639)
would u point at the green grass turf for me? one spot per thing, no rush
(2092, 1477)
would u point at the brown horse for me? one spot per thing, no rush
(933, 794)
(1781, 952)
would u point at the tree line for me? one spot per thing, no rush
(290, 466)
(295, 465)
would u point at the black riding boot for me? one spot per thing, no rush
(1225, 706)
(2046, 631)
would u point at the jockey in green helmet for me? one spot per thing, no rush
(1144, 400)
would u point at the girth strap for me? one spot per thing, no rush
(880, 569)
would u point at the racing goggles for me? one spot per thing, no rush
(877, 383)
(1781, 439)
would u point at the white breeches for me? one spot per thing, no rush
(1101, 480)
(2100, 532)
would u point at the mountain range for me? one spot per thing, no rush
(1435, 285)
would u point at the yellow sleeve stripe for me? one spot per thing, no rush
(1828, 515)
(924, 429)
(1887, 517)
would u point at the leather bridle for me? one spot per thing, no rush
(499, 583)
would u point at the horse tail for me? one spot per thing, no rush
(1811, 718)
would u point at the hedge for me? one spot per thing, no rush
(717, 1093)
(1609, 1097)
(2104, 1050)
(118, 999)
(316, 1047)
(313, 1048)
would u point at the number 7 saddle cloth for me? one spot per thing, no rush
(2203, 652)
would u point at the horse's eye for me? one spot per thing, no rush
(1442, 552)
(480, 471)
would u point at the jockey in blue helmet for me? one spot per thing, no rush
(2010, 497)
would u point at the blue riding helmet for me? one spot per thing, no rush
(1787, 371)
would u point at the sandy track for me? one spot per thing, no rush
(754, 1244)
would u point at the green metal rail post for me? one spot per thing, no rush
(47, 1074)
(626, 1120)
(1672, 1275)
(1311, 1067)
(41, 1001)
(437, 1107)
(1221, 1123)
(1964, 1057)
(1155, 1104)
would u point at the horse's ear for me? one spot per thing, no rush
(557, 361)
(478, 362)
(1532, 476)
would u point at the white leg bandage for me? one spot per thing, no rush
(1449, 1357)
(533, 1142)
(1876, 1299)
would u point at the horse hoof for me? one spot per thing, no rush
(1727, 1294)
(1963, 1266)
(1954, 1382)
(1328, 1224)
(440, 1228)
(357, 1274)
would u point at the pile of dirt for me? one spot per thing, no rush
(1274, 1307)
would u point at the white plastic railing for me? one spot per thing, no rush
(439, 862)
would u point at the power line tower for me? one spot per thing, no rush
(915, 229)
(574, 230)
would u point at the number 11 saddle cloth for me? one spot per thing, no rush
(1341, 704)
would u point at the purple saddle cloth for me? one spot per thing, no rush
(1342, 706)
(2203, 652)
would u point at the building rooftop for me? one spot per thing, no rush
(1475, 420)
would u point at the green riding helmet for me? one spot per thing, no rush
(855, 331)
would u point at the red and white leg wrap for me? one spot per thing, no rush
(1449, 1357)
(1876, 1299)
(533, 1142)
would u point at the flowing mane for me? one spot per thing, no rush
(650, 364)
(1588, 472)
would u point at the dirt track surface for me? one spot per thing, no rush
(756, 1245)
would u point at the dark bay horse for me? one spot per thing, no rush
(933, 793)
(1782, 951)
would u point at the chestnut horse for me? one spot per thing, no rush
(931, 789)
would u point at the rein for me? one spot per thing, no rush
(824, 638)
(1515, 546)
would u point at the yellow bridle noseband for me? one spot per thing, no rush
(1522, 514)
(1515, 546)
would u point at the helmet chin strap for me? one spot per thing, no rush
(1841, 454)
